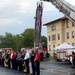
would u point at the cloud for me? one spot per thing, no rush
(71, 2)
(24, 5)
(4, 21)
(3, 3)
(17, 15)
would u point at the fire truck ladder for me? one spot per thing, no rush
(64, 7)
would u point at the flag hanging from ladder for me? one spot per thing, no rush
(38, 23)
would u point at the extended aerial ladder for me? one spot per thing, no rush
(65, 8)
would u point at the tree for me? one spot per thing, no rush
(1, 41)
(7, 41)
(28, 37)
(44, 41)
(18, 42)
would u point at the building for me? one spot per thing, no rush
(59, 31)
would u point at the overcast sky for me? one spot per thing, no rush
(18, 15)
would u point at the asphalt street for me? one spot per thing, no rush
(56, 68)
(46, 68)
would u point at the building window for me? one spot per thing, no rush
(73, 44)
(72, 24)
(58, 36)
(53, 27)
(49, 38)
(67, 23)
(53, 46)
(53, 37)
(49, 48)
(72, 34)
(67, 35)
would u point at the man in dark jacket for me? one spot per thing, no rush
(73, 59)
(32, 56)
(0, 57)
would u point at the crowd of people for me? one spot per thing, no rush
(20, 61)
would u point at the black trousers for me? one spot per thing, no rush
(73, 62)
(27, 65)
(9, 63)
(20, 63)
(33, 67)
(37, 66)
(2, 62)
(13, 64)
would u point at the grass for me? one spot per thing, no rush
(50, 58)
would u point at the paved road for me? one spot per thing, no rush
(47, 68)
(56, 68)
(5, 71)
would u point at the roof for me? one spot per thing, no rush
(62, 18)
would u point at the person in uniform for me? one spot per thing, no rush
(9, 59)
(32, 56)
(73, 59)
(0, 58)
(26, 59)
(13, 55)
(37, 62)
(20, 61)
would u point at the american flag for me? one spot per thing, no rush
(39, 16)
(38, 23)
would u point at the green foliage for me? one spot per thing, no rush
(28, 37)
(51, 57)
(7, 41)
(47, 59)
(16, 42)
(44, 41)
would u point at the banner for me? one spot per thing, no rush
(38, 24)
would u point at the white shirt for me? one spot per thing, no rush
(11, 55)
(26, 56)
